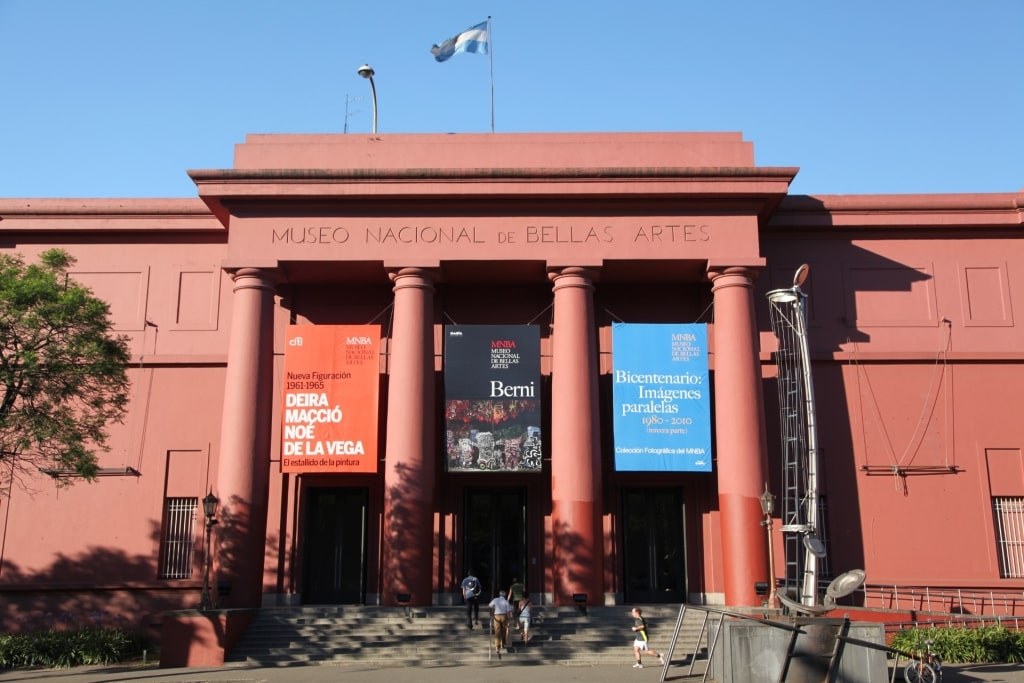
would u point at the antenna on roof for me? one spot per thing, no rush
(347, 112)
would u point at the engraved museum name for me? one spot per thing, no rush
(529, 234)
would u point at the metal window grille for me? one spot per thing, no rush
(1008, 513)
(178, 543)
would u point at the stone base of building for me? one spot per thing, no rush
(193, 638)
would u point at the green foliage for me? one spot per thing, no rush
(61, 649)
(985, 644)
(63, 374)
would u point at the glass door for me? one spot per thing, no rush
(654, 549)
(334, 558)
(495, 538)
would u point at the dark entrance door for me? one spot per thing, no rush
(495, 538)
(334, 560)
(653, 545)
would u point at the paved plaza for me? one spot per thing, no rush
(505, 671)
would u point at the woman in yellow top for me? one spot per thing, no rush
(516, 593)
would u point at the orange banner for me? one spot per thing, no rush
(331, 388)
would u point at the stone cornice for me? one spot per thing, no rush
(907, 211)
(759, 188)
(107, 215)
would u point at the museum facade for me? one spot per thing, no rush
(394, 359)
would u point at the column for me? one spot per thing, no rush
(739, 432)
(243, 472)
(577, 564)
(410, 462)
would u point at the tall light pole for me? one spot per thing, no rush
(210, 503)
(367, 72)
(768, 507)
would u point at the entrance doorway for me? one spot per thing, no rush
(495, 538)
(334, 557)
(654, 549)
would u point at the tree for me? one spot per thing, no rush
(63, 373)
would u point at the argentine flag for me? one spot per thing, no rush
(473, 39)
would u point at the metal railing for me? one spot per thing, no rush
(940, 606)
(975, 602)
(705, 632)
(988, 602)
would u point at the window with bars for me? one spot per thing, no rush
(178, 543)
(1008, 513)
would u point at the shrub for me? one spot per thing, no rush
(62, 649)
(985, 644)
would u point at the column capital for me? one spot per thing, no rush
(750, 272)
(732, 276)
(256, 278)
(569, 276)
(414, 277)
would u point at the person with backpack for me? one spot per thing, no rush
(470, 593)
(640, 646)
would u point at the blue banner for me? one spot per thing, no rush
(661, 398)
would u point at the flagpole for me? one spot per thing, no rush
(490, 59)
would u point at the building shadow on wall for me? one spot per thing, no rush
(95, 588)
(103, 587)
(410, 529)
(850, 291)
(579, 571)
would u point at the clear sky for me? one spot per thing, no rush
(119, 98)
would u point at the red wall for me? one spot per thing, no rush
(915, 339)
(917, 368)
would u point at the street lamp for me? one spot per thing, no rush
(768, 507)
(210, 503)
(367, 72)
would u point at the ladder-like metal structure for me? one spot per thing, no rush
(800, 523)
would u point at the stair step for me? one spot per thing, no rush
(438, 635)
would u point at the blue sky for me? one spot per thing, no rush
(118, 98)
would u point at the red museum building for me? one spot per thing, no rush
(916, 354)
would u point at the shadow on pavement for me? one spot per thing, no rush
(968, 673)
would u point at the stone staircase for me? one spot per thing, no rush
(335, 634)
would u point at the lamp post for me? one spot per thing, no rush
(210, 503)
(768, 507)
(366, 71)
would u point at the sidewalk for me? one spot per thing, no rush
(504, 671)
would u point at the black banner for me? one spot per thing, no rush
(492, 398)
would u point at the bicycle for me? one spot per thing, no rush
(926, 667)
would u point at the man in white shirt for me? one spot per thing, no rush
(500, 612)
